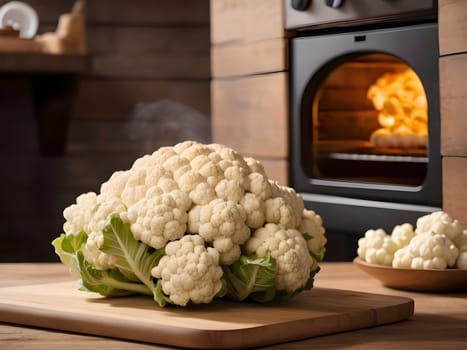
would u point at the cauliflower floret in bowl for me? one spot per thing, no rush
(427, 251)
(376, 247)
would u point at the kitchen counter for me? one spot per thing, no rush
(439, 321)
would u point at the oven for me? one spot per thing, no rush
(364, 114)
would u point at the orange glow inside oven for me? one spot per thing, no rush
(402, 109)
(370, 123)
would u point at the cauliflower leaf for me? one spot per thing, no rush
(108, 283)
(66, 247)
(134, 259)
(251, 277)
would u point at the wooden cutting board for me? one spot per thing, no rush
(220, 325)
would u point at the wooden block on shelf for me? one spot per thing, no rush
(251, 114)
(264, 56)
(454, 195)
(452, 28)
(453, 93)
(246, 20)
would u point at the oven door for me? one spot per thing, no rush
(334, 121)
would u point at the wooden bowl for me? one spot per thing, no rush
(430, 280)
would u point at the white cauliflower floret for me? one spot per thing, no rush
(102, 210)
(255, 166)
(427, 251)
(313, 230)
(291, 197)
(255, 210)
(279, 211)
(114, 186)
(135, 187)
(377, 247)
(441, 223)
(192, 150)
(259, 185)
(90, 214)
(189, 271)
(78, 215)
(289, 249)
(223, 223)
(402, 234)
(285, 207)
(461, 262)
(155, 220)
(94, 255)
(203, 193)
(230, 190)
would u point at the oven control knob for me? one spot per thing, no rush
(334, 3)
(300, 5)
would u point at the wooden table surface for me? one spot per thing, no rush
(439, 322)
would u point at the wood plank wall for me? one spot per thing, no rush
(453, 93)
(139, 51)
(249, 88)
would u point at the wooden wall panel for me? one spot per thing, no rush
(151, 66)
(139, 40)
(454, 194)
(264, 56)
(452, 26)
(99, 99)
(149, 52)
(120, 12)
(277, 169)
(148, 11)
(246, 20)
(251, 114)
(453, 92)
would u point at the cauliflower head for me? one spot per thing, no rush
(198, 209)
(189, 271)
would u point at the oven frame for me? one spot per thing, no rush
(313, 57)
(347, 208)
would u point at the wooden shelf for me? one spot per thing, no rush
(31, 63)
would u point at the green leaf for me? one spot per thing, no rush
(109, 283)
(67, 246)
(307, 236)
(135, 259)
(159, 295)
(251, 277)
(319, 256)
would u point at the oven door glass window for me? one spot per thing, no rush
(370, 123)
